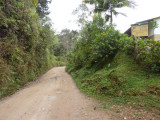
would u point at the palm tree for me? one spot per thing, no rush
(109, 6)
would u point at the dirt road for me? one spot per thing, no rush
(53, 97)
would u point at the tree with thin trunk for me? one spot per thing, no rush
(83, 12)
(109, 7)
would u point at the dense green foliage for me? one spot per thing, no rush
(98, 44)
(26, 44)
(121, 81)
(103, 63)
(66, 42)
(42, 7)
(149, 51)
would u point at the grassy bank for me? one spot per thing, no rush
(121, 81)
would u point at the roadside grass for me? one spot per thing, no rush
(122, 81)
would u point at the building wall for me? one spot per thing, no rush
(150, 32)
(155, 33)
(157, 30)
(155, 37)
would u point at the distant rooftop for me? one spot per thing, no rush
(145, 21)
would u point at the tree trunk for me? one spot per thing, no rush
(111, 17)
(136, 49)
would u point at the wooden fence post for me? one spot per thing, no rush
(136, 49)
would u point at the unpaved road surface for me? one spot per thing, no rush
(54, 96)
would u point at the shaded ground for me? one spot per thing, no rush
(54, 96)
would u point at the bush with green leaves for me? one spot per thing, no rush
(98, 45)
(103, 64)
(126, 44)
(149, 53)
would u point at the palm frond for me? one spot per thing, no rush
(118, 13)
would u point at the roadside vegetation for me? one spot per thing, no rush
(122, 69)
(27, 43)
(66, 42)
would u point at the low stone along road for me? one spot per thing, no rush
(54, 96)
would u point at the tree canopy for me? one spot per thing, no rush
(109, 7)
(42, 8)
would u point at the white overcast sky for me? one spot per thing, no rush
(61, 13)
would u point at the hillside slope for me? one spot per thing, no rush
(123, 81)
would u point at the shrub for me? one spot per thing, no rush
(97, 45)
(149, 53)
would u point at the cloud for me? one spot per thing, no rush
(61, 13)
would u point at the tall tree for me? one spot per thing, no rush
(42, 8)
(109, 7)
(83, 12)
(67, 40)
